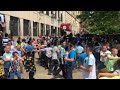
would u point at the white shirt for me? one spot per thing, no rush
(103, 59)
(55, 52)
(89, 61)
(48, 52)
(79, 49)
(12, 48)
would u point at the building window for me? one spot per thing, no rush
(35, 29)
(55, 31)
(55, 14)
(58, 14)
(47, 30)
(47, 13)
(58, 31)
(51, 12)
(14, 26)
(42, 29)
(26, 27)
(61, 17)
(42, 11)
(52, 30)
(38, 33)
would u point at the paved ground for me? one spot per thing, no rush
(41, 73)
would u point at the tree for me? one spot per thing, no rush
(101, 22)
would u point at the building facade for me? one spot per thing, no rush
(35, 23)
(70, 17)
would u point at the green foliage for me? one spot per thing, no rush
(101, 22)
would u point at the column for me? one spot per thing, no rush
(44, 12)
(7, 24)
(64, 16)
(57, 15)
(39, 29)
(50, 30)
(53, 12)
(50, 13)
(57, 31)
(21, 27)
(57, 23)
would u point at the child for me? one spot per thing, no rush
(48, 51)
(30, 66)
(7, 56)
(14, 69)
(1, 69)
(20, 52)
(65, 56)
(115, 73)
(66, 53)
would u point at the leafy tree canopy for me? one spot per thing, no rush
(101, 22)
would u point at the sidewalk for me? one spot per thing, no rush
(41, 73)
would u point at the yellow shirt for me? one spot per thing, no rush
(1, 68)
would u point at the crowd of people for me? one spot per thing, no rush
(97, 56)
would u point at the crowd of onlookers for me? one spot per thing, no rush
(96, 56)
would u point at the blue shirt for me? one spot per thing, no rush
(72, 55)
(82, 57)
(29, 48)
(5, 56)
(79, 49)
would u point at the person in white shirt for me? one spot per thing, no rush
(79, 49)
(54, 62)
(89, 66)
(48, 53)
(103, 57)
(12, 46)
(104, 53)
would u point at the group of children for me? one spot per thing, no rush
(110, 63)
(111, 75)
(14, 60)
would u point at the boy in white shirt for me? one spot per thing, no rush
(89, 66)
(103, 57)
